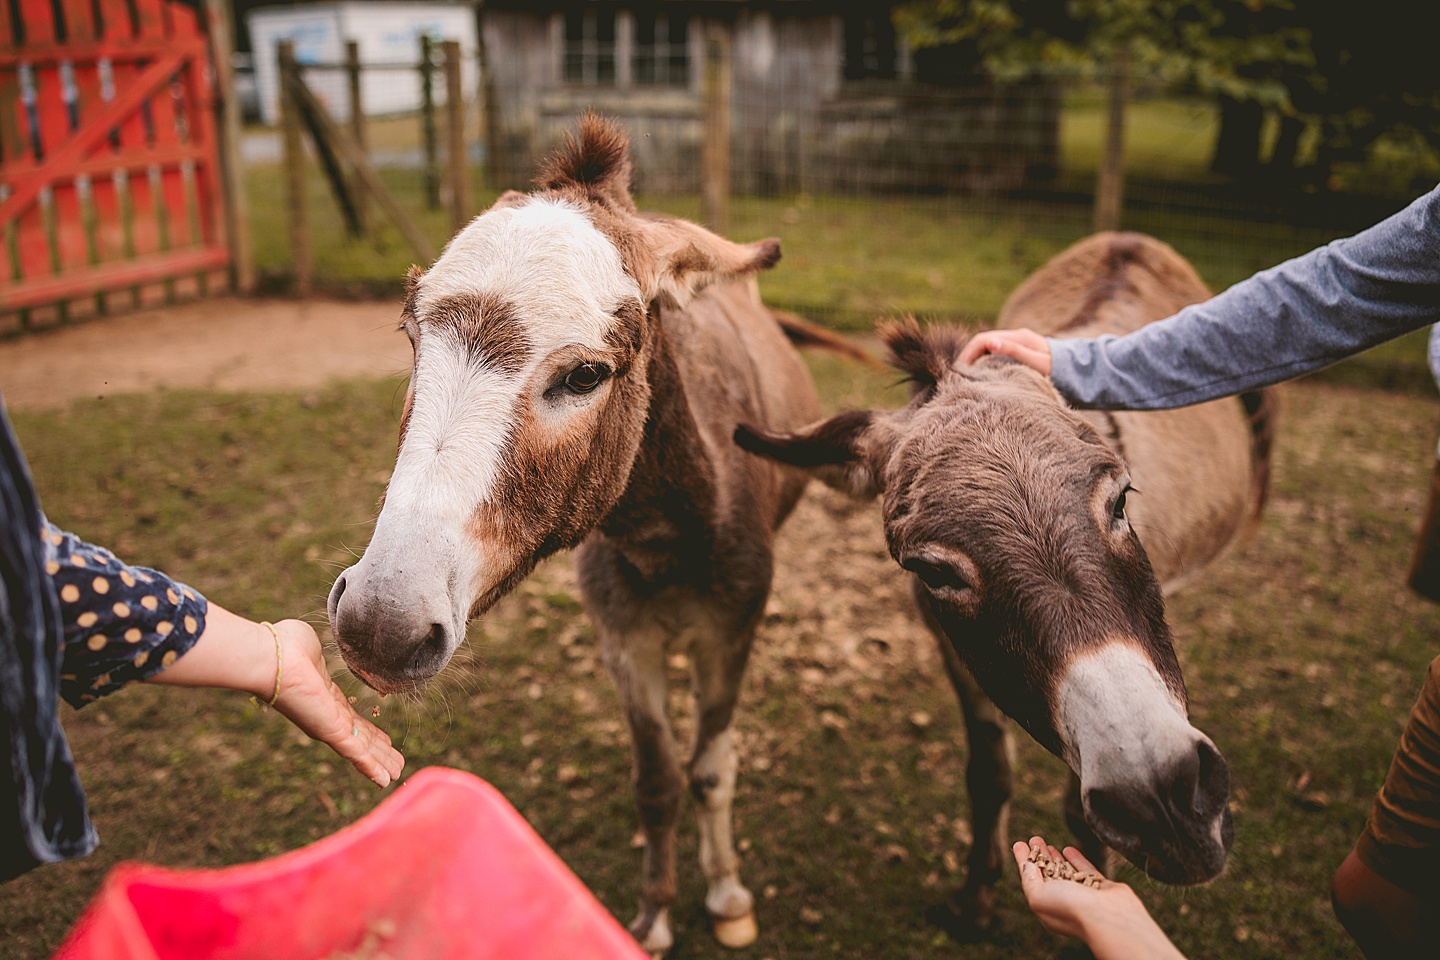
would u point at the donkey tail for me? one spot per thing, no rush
(1262, 410)
(803, 333)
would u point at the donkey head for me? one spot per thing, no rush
(1013, 516)
(533, 334)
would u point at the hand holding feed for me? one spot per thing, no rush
(1108, 916)
(1022, 344)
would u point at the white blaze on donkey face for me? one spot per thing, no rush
(1145, 772)
(547, 258)
(406, 602)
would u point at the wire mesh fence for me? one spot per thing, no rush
(897, 182)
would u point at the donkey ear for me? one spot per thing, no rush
(412, 289)
(926, 356)
(686, 258)
(839, 451)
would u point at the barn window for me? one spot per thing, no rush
(661, 52)
(590, 47)
(870, 51)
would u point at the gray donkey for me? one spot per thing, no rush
(579, 371)
(1018, 518)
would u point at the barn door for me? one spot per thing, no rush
(109, 175)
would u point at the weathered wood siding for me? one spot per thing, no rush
(797, 124)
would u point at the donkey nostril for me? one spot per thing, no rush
(1212, 786)
(430, 651)
(1201, 783)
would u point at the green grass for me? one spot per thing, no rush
(1301, 648)
(1168, 138)
(846, 261)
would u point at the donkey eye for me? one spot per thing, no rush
(935, 576)
(586, 377)
(1118, 511)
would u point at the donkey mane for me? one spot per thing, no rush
(1104, 271)
(923, 356)
(596, 163)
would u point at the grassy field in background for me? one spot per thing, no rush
(846, 260)
(851, 259)
(1302, 652)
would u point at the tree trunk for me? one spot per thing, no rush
(1110, 186)
(1237, 145)
(1287, 146)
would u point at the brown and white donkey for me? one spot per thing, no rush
(1018, 517)
(580, 369)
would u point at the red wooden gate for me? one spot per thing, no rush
(110, 190)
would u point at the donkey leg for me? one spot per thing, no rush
(718, 668)
(989, 779)
(639, 673)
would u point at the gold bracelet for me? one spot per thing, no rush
(279, 667)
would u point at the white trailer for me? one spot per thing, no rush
(388, 33)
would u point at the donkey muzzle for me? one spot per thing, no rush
(388, 640)
(1171, 820)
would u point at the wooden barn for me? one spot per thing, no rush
(823, 96)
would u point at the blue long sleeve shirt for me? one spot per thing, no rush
(1300, 316)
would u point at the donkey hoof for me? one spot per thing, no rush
(737, 932)
(652, 929)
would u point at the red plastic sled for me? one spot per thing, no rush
(444, 869)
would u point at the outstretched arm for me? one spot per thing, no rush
(1292, 319)
(239, 654)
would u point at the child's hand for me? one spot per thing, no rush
(1110, 918)
(1022, 344)
(312, 701)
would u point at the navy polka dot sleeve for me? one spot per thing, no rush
(121, 623)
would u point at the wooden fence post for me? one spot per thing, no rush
(357, 128)
(489, 117)
(427, 123)
(459, 166)
(333, 142)
(715, 147)
(1110, 186)
(300, 254)
(237, 204)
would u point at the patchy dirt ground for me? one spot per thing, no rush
(222, 344)
(852, 746)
